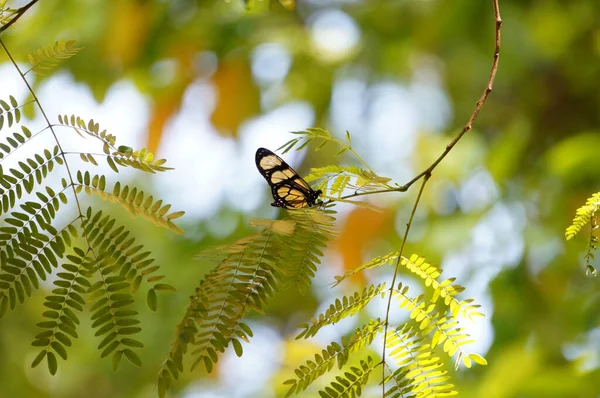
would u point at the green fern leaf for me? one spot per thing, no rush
(583, 215)
(128, 259)
(61, 320)
(135, 201)
(312, 229)
(14, 185)
(419, 372)
(48, 57)
(341, 309)
(445, 329)
(333, 353)
(32, 259)
(112, 316)
(241, 283)
(375, 262)
(10, 112)
(351, 384)
(446, 290)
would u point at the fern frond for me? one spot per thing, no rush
(48, 57)
(446, 290)
(6, 13)
(324, 137)
(583, 215)
(587, 214)
(420, 373)
(123, 156)
(244, 280)
(312, 229)
(324, 362)
(35, 213)
(375, 262)
(111, 313)
(128, 259)
(241, 283)
(446, 331)
(33, 257)
(61, 317)
(351, 384)
(33, 170)
(335, 179)
(172, 366)
(9, 111)
(135, 201)
(341, 309)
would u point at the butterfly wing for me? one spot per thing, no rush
(288, 188)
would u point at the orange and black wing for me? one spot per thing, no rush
(288, 188)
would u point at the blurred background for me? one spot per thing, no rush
(205, 83)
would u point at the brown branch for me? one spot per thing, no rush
(426, 174)
(467, 127)
(18, 15)
(478, 106)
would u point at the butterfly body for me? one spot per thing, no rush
(289, 190)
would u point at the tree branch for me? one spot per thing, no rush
(426, 174)
(18, 15)
(478, 106)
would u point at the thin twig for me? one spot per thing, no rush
(41, 108)
(467, 127)
(478, 106)
(426, 174)
(389, 303)
(18, 15)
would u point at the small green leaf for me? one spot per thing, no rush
(116, 359)
(52, 364)
(112, 164)
(38, 358)
(132, 357)
(59, 349)
(478, 359)
(151, 300)
(237, 347)
(163, 287)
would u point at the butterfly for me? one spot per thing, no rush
(289, 189)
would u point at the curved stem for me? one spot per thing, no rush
(426, 174)
(389, 303)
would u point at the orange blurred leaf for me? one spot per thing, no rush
(362, 226)
(237, 96)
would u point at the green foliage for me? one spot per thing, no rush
(9, 111)
(332, 354)
(373, 263)
(6, 13)
(123, 156)
(583, 215)
(420, 372)
(446, 289)
(248, 274)
(312, 230)
(341, 309)
(130, 198)
(286, 253)
(350, 385)
(335, 179)
(587, 213)
(444, 326)
(90, 260)
(49, 57)
(61, 320)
